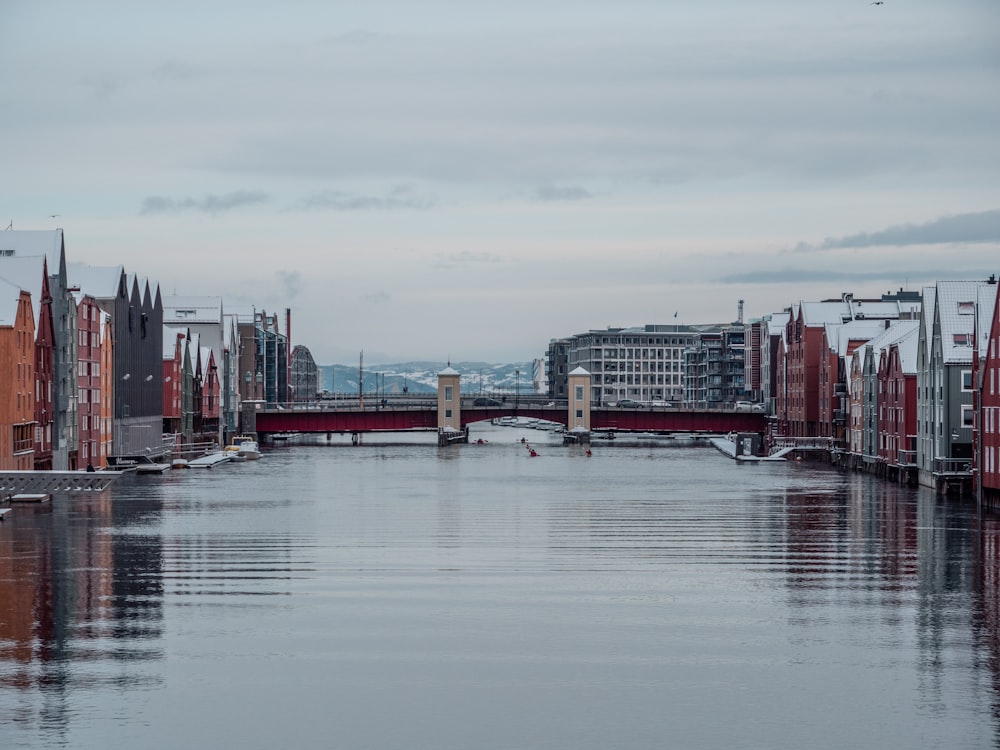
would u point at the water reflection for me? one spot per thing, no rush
(645, 593)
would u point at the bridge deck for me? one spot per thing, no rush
(320, 419)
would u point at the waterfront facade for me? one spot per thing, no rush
(17, 372)
(647, 363)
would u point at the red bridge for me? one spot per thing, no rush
(414, 414)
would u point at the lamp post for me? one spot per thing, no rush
(517, 389)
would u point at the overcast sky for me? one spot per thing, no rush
(466, 180)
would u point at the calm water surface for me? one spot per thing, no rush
(399, 595)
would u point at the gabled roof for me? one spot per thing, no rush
(26, 272)
(956, 313)
(841, 336)
(907, 346)
(897, 331)
(100, 282)
(776, 323)
(986, 307)
(44, 242)
(170, 335)
(10, 298)
(187, 310)
(927, 317)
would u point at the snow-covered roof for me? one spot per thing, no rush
(927, 316)
(986, 306)
(580, 371)
(897, 331)
(186, 310)
(25, 272)
(956, 312)
(840, 335)
(10, 298)
(170, 334)
(815, 314)
(44, 242)
(448, 371)
(100, 282)
(244, 313)
(908, 346)
(777, 322)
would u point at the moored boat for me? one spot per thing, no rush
(244, 446)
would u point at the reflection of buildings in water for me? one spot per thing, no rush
(70, 585)
(986, 601)
(944, 574)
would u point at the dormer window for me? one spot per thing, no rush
(966, 308)
(962, 339)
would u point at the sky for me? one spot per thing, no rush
(467, 180)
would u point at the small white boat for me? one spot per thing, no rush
(244, 446)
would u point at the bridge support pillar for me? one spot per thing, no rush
(578, 417)
(449, 407)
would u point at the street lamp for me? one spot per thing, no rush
(517, 389)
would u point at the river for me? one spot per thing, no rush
(400, 595)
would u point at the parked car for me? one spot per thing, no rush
(744, 406)
(486, 402)
(628, 403)
(660, 404)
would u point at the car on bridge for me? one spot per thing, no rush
(486, 402)
(628, 403)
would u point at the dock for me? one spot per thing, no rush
(32, 497)
(208, 461)
(728, 447)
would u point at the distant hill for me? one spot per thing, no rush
(422, 377)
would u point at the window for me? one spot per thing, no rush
(966, 308)
(962, 339)
(966, 380)
(579, 393)
(968, 417)
(449, 393)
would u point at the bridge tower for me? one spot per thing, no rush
(578, 418)
(449, 408)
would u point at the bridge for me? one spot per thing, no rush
(412, 415)
(450, 413)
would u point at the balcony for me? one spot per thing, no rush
(906, 458)
(953, 467)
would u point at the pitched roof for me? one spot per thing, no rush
(100, 282)
(897, 331)
(26, 272)
(10, 298)
(45, 242)
(170, 335)
(956, 312)
(187, 310)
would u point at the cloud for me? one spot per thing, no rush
(465, 257)
(376, 298)
(174, 70)
(817, 275)
(554, 193)
(974, 228)
(210, 204)
(400, 197)
(292, 282)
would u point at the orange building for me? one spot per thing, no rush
(17, 376)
